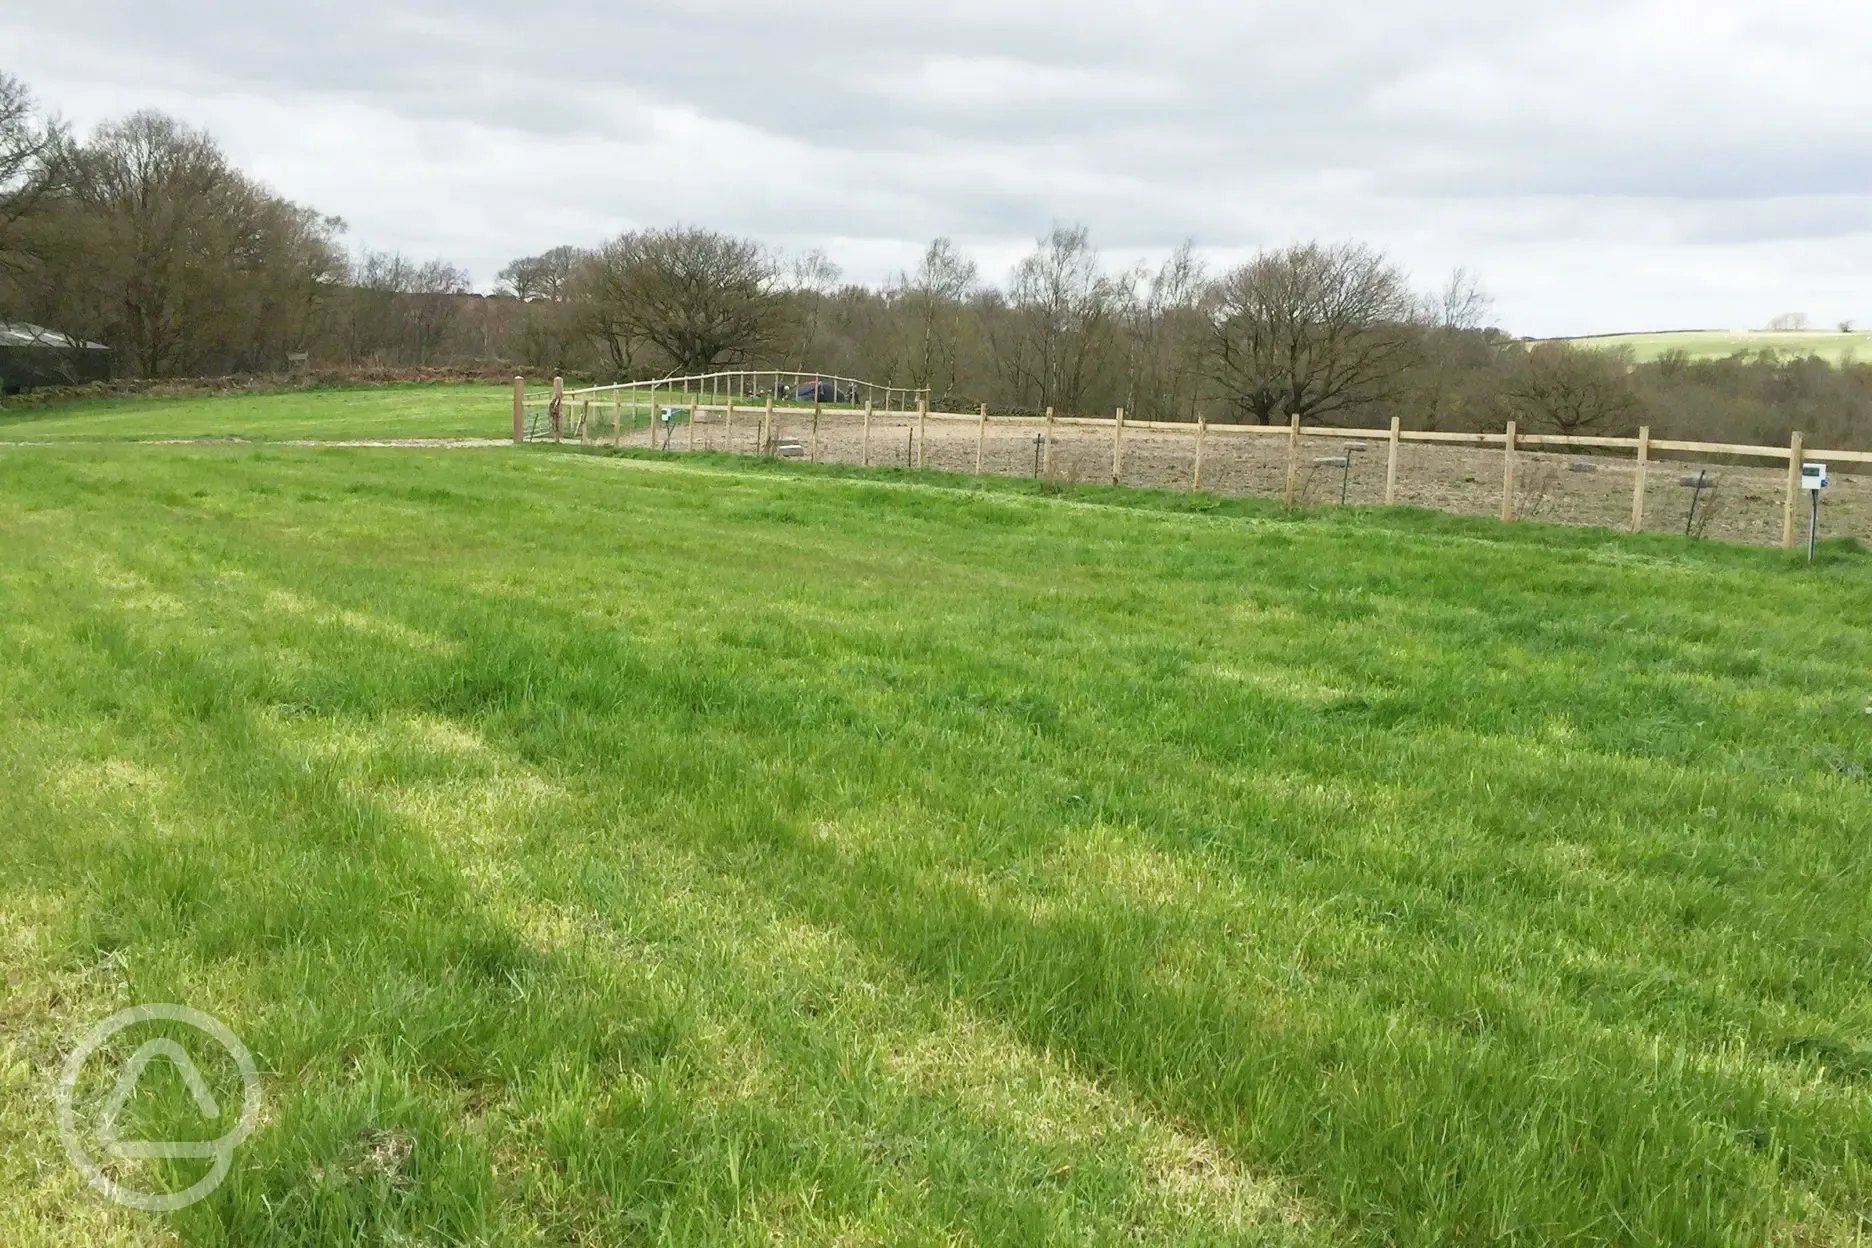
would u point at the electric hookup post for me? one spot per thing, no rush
(1813, 480)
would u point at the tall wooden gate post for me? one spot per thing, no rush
(1508, 467)
(1797, 451)
(519, 412)
(1391, 461)
(1638, 485)
(1293, 459)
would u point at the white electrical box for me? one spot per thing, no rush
(1813, 476)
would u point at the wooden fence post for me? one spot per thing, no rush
(981, 438)
(585, 421)
(519, 412)
(728, 424)
(1797, 451)
(1202, 434)
(1638, 485)
(813, 455)
(1046, 450)
(922, 429)
(558, 408)
(767, 422)
(617, 418)
(1293, 459)
(1508, 466)
(866, 459)
(695, 409)
(1391, 461)
(1118, 448)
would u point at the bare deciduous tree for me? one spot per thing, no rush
(932, 303)
(286, 283)
(435, 288)
(1168, 340)
(1462, 306)
(810, 279)
(1456, 358)
(702, 299)
(402, 311)
(1058, 330)
(1313, 330)
(547, 276)
(158, 193)
(183, 253)
(30, 150)
(557, 320)
(1571, 389)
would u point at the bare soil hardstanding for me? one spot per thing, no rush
(1742, 503)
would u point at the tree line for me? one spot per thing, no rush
(1318, 331)
(143, 236)
(1327, 332)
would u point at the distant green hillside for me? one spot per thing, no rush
(1718, 343)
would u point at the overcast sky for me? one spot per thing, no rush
(1601, 164)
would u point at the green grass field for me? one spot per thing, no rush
(347, 414)
(1835, 347)
(408, 411)
(620, 850)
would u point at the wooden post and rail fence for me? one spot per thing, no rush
(695, 404)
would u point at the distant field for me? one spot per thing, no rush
(637, 850)
(1719, 344)
(408, 411)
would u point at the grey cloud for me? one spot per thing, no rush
(1443, 129)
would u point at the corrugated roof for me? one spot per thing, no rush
(20, 334)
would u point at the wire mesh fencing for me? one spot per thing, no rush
(1708, 490)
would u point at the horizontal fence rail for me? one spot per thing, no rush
(758, 400)
(745, 383)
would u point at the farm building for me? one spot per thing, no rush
(31, 356)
